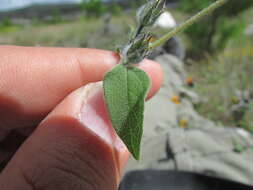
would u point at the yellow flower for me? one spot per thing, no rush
(183, 123)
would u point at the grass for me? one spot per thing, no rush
(80, 33)
(219, 78)
(9, 29)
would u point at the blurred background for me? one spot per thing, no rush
(202, 118)
(218, 50)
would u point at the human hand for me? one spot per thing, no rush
(74, 145)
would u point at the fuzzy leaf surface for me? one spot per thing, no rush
(125, 90)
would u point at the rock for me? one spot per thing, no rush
(243, 133)
(166, 21)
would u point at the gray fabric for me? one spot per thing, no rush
(211, 151)
(204, 147)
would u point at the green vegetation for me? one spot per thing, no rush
(216, 31)
(247, 121)
(56, 17)
(93, 8)
(219, 79)
(6, 26)
(226, 63)
(79, 33)
(6, 22)
(115, 8)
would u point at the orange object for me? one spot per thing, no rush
(176, 99)
(190, 81)
(152, 39)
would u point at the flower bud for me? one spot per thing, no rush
(148, 13)
(138, 49)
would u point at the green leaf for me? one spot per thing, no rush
(125, 90)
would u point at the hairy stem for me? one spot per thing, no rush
(188, 23)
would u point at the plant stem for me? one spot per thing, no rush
(138, 31)
(188, 23)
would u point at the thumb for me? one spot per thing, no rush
(75, 147)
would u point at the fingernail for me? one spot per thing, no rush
(93, 112)
(94, 116)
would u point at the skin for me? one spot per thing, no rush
(52, 96)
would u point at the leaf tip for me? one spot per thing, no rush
(136, 155)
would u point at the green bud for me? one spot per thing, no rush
(137, 49)
(148, 13)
